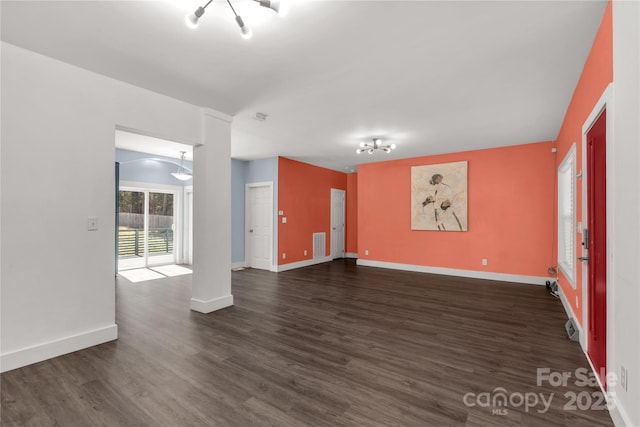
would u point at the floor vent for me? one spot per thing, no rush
(319, 240)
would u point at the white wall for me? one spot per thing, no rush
(57, 169)
(625, 242)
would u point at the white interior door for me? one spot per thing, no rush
(259, 211)
(337, 223)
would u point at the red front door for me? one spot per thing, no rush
(597, 251)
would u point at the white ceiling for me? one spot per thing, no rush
(430, 76)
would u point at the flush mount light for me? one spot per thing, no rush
(182, 173)
(193, 19)
(371, 147)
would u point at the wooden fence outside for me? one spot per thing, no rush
(136, 221)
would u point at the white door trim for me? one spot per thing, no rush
(187, 253)
(247, 225)
(605, 102)
(344, 228)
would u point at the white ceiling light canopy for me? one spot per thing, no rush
(182, 174)
(193, 19)
(371, 147)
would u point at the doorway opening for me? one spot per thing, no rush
(146, 227)
(153, 220)
(597, 318)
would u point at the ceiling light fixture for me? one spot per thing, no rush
(193, 19)
(371, 147)
(182, 174)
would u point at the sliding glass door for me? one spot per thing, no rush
(146, 228)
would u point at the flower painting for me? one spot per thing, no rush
(439, 197)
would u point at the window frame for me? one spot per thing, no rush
(567, 212)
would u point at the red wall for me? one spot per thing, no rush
(595, 77)
(304, 194)
(511, 216)
(351, 244)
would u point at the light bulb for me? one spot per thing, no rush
(393, 146)
(362, 144)
(370, 151)
(244, 29)
(191, 20)
(358, 151)
(387, 150)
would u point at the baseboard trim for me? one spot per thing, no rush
(618, 414)
(300, 264)
(350, 255)
(239, 264)
(48, 350)
(487, 275)
(211, 305)
(570, 315)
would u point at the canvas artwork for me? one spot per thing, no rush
(439, 197)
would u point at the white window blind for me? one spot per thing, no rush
(567, 216)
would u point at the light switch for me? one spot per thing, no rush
(92, 223)
(280, 213)
(284, 219)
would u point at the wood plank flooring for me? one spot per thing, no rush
(329, 345)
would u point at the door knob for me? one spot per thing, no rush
(583, 258)
(251, 231)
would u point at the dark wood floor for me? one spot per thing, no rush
(328, 345)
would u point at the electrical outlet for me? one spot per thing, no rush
(366, 251)
(484, 261)
(280, 213)
(305, 252)
(284, 255)
(92, 223)
(284, 219)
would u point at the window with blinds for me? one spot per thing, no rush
(567, 216)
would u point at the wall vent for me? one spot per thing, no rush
(319, 245)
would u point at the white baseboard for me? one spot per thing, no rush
(238, 264)
(618, 414)
(514, 278)
(48, 350)
(211, 305)
(350, 255)
(570, 315)
(300, 264)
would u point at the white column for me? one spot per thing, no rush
(211, 284)
(623, 340)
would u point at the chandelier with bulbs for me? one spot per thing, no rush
(371, 147)
(193, 19)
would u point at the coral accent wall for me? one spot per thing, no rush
(511, 213)
(304, 194)
(351, 244)
(596, 76)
